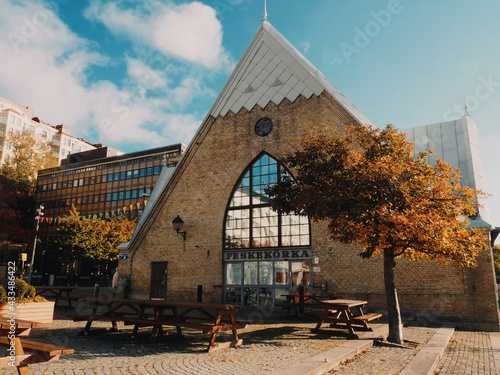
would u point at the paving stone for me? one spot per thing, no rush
(266, 348)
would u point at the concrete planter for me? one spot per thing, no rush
(38, 312)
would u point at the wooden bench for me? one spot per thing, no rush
(40, 352)
(205, 326)
(57, 299)
(303, 304)
(54, 293)
(367, 317)
(210, 318)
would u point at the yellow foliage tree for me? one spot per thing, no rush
(29, 155)
(94, 238)
(373, 191)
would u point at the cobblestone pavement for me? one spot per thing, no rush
(468, 353)
(386, 359)
(266, 348)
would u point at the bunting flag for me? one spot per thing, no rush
(85, 223)
(83, 220)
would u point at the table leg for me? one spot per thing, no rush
(136, 326)
(157, 328)
(69, 300)
(232, 319)
(175, 314)
(86, 330)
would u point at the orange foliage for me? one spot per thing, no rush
(374, 191)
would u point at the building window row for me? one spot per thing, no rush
(107, 177)
(111, 165)
(97, 198)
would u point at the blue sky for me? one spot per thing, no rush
(140, 74)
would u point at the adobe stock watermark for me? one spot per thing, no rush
(11, 301)
(378, 21)
(484, 90)
(31, 25)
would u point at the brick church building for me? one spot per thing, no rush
(235, 249)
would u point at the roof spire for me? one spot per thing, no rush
(466, 107)
(265, 11)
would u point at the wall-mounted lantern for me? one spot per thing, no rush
(178, 223)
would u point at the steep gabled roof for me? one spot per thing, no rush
(270, 70)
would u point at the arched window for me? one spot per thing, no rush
(250, 221)
(266, 254)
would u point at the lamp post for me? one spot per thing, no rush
(39, 214)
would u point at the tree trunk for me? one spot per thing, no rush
(391, 296)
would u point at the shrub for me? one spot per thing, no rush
(24, 293)
(20, 288)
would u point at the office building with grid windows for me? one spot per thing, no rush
(99, 183)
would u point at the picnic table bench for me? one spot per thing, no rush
(302, 302)
(346, 313)
(210, 318)
(57, 293)
(37, 352)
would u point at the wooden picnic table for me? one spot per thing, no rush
(301, 302)
(38, 352)
(18, 327)
(344, 312)
(57, 293)
(210, 318)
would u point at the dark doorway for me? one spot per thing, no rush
(158, 280)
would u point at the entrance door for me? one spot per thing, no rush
(158, 287)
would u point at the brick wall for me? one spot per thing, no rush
(199, 193)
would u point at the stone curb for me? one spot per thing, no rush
(324, 362)
(495, 346)
(428, 357)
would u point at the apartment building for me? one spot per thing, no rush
(15, 118)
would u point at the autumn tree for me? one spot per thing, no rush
(373, 191)
(17, 186)
(29, 155)
(92, 237)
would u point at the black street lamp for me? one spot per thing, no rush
(39, 214)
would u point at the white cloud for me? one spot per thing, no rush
(188, 31)
(144, 77)
(47, 66)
